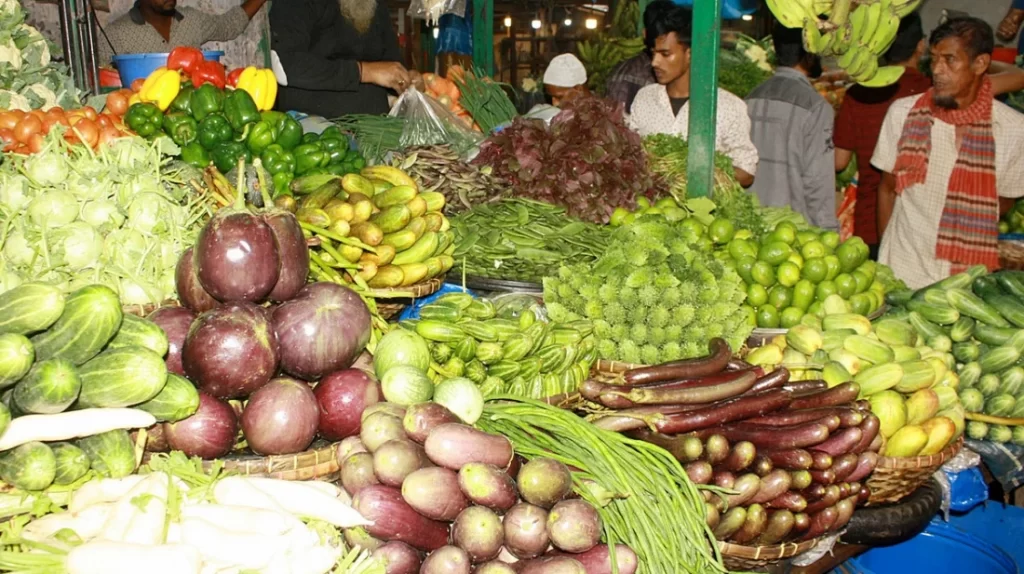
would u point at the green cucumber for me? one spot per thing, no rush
(122, 377)
(92, 316)
(139, 332)
(30, 308)
(49, 388)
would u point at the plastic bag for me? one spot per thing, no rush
(427, 122)
(432, 10)
(823, 547)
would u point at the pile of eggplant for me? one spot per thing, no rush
(797, 454)
(446, 498)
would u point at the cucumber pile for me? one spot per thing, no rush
(70, 366)
(980, 317)
(505, 348)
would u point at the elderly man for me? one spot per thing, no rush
(336, 57)
(564, 78)
(946, 157)
(160, 26)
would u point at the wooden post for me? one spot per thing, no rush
(707, 24)
(483, 35)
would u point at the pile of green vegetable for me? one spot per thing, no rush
(505, 347)
(657, 294)
(75, 367)
(522, 239)
(28, 79)
(375, 135)
(485, 100)
(119, 217)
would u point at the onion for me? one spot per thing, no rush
(280, 418)
(209, 433)
(342, 397)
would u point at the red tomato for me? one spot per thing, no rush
(27, 127)
(35, 143)
(88, 131)
(137, 85)
(8, 120)
(90, 112)
(117, 103)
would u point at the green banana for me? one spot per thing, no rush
(822, 7)
(905, 7)
(886, 33)
(842, 40)
(884, 76)
(846, 60)
(789, 13)
(840, 12)
(857, 22)
(813, 39)
(871, 23)
(869, 70)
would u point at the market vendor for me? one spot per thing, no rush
(791, 125)
(336, 57)
(157, 26)
(663, 108)
(946, 157)
(630, 76)
(565, 78)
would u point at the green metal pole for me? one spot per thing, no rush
(703, 96)
(483, 35)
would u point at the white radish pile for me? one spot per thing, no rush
(150, 523)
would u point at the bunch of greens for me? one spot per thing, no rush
(375, 135)
(658, 294)
(120, 217)
(485, 100)
(587, 160)
(28, 79)
(739, 74)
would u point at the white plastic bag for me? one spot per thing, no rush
(427, 122)
(432, 10)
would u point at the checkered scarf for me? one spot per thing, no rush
(968, 230)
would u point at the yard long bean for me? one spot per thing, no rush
(642, 493)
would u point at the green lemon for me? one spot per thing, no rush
(830, 239)
(805, 237)
(815, 309)
(629, 219)
(861, 281)
(666, 202)
(704, 243)
(780, 297)
(618, 216)
(674, 214)
(643, 202)
(803, 294)
(846, 285)
(814, 270)
(767, 317)
(860, 303)
(785, 231)
(791, 317)
(740, 248)
(757, 295)
(1004, 227)
(721, 230)
(763, 273)
(653, 211)
(834, 268)
(824, 289)
(813, 249)
(743, 234)
(774, 253)
(788, 273)
(869, 268)
(796, 259)
(743, 267)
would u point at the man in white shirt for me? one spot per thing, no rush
(946, 158)
(663, 108)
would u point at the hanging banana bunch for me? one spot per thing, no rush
(601, 55)
(856, 35)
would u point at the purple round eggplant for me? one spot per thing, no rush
(399, 558)
(292, 252)
(209, 433)
(281, 417)
(175, 323)
(236, 257)
(478, 531)
(231, 351)
(574, 526)
(526, 531)
(190, 290)
(323, 329)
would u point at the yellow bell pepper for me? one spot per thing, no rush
(261, 85)
(161, 87)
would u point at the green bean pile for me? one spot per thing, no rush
(523, 240)
(375, 135)
(642, 493)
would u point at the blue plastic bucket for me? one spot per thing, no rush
(940, 549)
(131, 67)
(999, 524)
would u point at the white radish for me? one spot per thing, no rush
(72, 424)
(303, 500)
(235, 491)
(243, 519)
(103, 490)
(246, 551)
(103, 557)
(86, 524)
(332, 490)
(317, 560)
(138, 517)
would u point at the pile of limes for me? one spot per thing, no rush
(791, 273)
(666, 207)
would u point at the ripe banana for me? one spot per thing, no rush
(884, 76)
(814, 41)
(885, 35)
(392, 175)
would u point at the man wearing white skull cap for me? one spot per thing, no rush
(564, 78)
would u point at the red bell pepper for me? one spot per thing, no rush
(234, 76)
(211, 72)
(184, 58)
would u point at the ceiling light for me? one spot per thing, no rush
(508, 21)
(536, 24)
(747, 17)
(437, 33)
(591, 23)
(568, 21)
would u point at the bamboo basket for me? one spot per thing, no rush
(145, 310)
(320, 462)
(1011, 253)
(896, 478)
(393, 300)
(605, 371)
(739, 558)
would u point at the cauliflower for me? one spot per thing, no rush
(10, 54)
(40, 96)
(35, 50)
(529, 85)
(14, 101)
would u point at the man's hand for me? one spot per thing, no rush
(391, 75)
(417, 80)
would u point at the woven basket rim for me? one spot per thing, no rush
(994, 420)
(422, 289)
(325, 455)
(143, 310)
(917, 462)
(766, 553)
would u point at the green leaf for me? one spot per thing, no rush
(701, 208)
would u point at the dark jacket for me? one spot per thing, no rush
(319, 49)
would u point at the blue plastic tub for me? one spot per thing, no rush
(940, 549)
(999, 524)
(134, 66)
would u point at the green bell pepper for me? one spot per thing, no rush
(206, 100)
(181, 127)
(276, 159)
(337, 169)
(261, 135)
(213, 130)
(282, 183)
(195, 155)
(335, 148)
(310, 137)
(183, 101)
(144, 119)
(226, 155)
(309, 157)
(240, 109)
(289, 136)
(333, 132)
